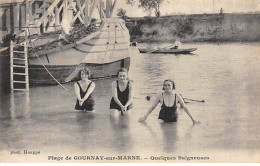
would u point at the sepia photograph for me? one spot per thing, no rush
(129, 81)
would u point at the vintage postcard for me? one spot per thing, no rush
(129, 81)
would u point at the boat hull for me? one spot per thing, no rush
(104, 54)
(167, 51)
(39, 75)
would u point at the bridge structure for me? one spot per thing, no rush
(43, 16)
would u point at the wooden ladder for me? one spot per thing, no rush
(19, 77)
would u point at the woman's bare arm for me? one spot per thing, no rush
(90, 90)
(130, 98)
(114, 91)
(155, 103)
(185, 108)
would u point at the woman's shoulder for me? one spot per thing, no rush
(178, 96)
(130, 83)
(91, 82)
(176, 93)
(114, 83)
(76, 83)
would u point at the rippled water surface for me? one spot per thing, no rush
(226, 76)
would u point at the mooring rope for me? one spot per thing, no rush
(51, 74)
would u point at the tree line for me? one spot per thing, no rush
(148, 6)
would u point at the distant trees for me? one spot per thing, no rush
(149, 5)
(130, 2)
(121, 13)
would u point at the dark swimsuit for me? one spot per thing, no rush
(122, 97)
(168, 114)
(88, 104)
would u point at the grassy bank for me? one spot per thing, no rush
(196, 28)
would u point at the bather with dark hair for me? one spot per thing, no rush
(83, 90)
(122, 90)
(168, 99)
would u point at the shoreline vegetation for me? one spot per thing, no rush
(195, 28)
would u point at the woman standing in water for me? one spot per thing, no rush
(169, 99)
(83, 90)
(122, 90)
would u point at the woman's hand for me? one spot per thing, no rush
(195, 122)
(123, 109)
(142, 119)
(81, 101)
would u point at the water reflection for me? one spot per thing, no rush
(27, 107)
(12, 107)
(150, 129)
(122, 138)
(84, 118)
(15, 113)
(170, 136)
(19, 107)
(83, 133)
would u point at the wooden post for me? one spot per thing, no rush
(112, 10)
(44, 21)
(23, 16)
(1, 19)
(8, 20)
(26, 63)
(36, 17)
(91, 12)
(12, 28)
(16, 19)
(86, 12)
(64, 9)
(101, 12)
(108, 6)
(27, 13)
(11, 65)
(57, 18)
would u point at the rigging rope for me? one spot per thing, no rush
(51, 74)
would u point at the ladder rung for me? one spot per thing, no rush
(20, 89)
(19, 59)
(18, 66)
(22, 52)
(19, 74)
(23, 82)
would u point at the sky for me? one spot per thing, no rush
(195, 7)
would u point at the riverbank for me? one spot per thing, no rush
(196, 28)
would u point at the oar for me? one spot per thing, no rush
(149, 98)
(202, 101)
(158, 49)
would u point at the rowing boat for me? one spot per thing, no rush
(167, 51)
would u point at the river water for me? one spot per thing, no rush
(226, 76)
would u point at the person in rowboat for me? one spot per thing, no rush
(169, 99)
(83, 91)
(177, 44)
(122, 90)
